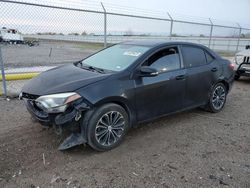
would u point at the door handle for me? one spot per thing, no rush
(214, 69)
(180, 77)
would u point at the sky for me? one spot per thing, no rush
(224, 10)
(30, 19)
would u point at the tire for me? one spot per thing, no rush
(107, 127)
(217, 98)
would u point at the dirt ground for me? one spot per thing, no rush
(190, 149)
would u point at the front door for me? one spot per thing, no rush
(164, 93)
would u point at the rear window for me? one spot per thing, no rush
(209, 57)
(193, 56)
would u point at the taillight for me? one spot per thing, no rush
(231, 66)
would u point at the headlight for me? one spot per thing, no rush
(57, 102)
(239, 59)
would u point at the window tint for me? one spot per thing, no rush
(165, 60)
(193, 56)
(209, 57)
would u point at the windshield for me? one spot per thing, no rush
(115, 58)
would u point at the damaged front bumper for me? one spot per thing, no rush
(69, 120)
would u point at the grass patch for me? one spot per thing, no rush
(226, 54)
(90, 46)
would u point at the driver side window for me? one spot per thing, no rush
(165, 60)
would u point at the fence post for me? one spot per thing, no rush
(3, 73)
(171, 26)
(238, 41)
(211, 32)
(105, 25)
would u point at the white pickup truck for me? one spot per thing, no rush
(10, 36)
(242, 62)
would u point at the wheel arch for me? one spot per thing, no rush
(208, 107)
(224, 82)
(123, 102)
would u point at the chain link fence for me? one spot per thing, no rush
(38, 35)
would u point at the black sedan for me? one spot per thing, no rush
(99, 98)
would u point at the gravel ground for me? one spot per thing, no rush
(190, 149)
(47, 53)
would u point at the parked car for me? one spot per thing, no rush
(99, 98)
(242, 62)
(10, 36)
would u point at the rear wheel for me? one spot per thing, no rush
(217, 98)
(107, 127)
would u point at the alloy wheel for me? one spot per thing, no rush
(219, 97)
(109, 128)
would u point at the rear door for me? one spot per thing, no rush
(202, 72)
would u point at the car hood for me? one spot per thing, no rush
(61, 79)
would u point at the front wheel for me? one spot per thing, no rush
(107, 127)
(217, 98)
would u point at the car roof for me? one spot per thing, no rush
(155, 43)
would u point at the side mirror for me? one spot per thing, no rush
(147, 71)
